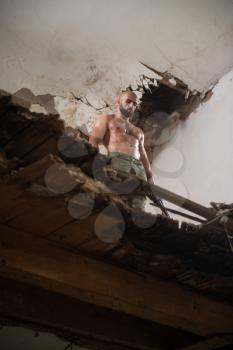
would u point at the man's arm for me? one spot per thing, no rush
(98, 130)
(144, 159)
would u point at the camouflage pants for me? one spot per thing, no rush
(133, 166)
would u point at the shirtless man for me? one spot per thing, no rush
(123, 140)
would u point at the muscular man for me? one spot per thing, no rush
(123, 140)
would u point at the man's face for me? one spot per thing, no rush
(128, 104)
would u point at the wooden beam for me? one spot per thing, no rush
(59, 314)
(41, 263)
(154, 190)
(180, 201)
(209, 344)
(37, 169)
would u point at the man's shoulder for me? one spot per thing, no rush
(104, 117)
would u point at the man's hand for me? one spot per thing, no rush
(151, 179)
(145, 161)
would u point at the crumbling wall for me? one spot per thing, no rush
(94, 47)
(198, 163)
(165, 101)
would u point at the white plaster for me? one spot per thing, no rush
(36, 108)
(206, 144)
(170, 161)
(93, 47)
(67, 107)
(78, 114)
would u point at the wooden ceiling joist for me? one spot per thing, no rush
(94, 326)
(37, 261)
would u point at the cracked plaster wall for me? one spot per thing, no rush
(93, 47)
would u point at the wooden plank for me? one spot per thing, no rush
(14, 198)
(179, 200)
(5, 99)
(154, 190)
(66, 315)
(27, 140)
(81, 234)
(209, 344)
(22, 209)
(15, 205)
(40, 215)
(44, 149)
(75, 232)
(37, 261)
(95, 246)
(10, 126)
(35, 171)
(3, 164)
(10, 195)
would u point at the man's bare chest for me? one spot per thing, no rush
(122, 128)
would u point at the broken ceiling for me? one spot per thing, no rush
(94, 48)
(49, 168)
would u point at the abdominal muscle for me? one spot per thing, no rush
(124, 143)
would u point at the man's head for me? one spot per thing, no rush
(127, 103)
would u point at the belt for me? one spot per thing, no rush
(124, 156)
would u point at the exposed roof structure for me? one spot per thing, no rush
(178, 278)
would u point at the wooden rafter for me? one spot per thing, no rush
(36, 261)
